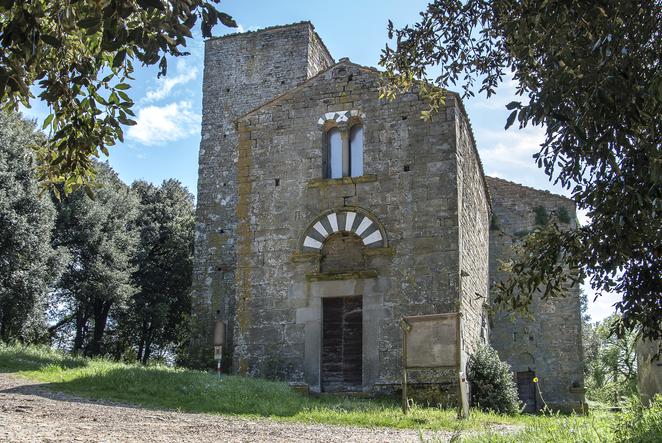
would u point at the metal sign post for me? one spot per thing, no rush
(433, 342)
(219, 341)
(406, 327)
(218, 356)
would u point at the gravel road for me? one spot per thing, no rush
(31, 413)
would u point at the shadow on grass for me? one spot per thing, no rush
(185, 391)
(32, 358)
(161, 388)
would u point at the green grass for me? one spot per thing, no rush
(196, 391)
(555, 428)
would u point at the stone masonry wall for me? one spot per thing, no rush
(409, 185)
(551, 343)
(242, 71)
(474, 237)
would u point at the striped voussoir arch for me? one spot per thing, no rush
(346, 220)
(339, 117)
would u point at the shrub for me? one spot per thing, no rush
(563, 215)
(491, 382)
(541, 215)
(639, 423)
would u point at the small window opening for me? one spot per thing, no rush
(335, 153)
(406, 168)
(277, 182)
(356, 151)
(404, 117)
(350, 77)
(344, 156)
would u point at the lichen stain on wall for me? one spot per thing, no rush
(216, 243)
(250, 61)
(245, 240)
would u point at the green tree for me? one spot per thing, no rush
(100, 237)
(589, 73)
(156, 320)
(27, 260)
(611, 363)
(79, 55)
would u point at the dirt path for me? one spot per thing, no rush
(28, 412)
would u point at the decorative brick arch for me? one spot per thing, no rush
(354, 220)
(339, 117)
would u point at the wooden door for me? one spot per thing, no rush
(342, 344)
(526, 390)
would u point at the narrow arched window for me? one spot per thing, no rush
(334, 143)
(356, 150)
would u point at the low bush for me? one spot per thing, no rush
(491, 382)
(639, 423)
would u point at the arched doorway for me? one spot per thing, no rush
(342, 302)
(342, 317)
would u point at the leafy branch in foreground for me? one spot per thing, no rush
(79, 56)
(589, 73)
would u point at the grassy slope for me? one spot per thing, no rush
(195, 391)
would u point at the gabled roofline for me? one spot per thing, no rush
(369, 69)
(342, 61)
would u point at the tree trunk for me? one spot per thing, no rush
(52, 330)
(101, 310)
(143, 339)
(4, 327)
(79, 339)
(148, 346)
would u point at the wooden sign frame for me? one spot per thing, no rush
(407, 324)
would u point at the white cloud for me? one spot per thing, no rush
(505, 93)
(157, 125)
(509, 155)
(165, 85)
(509, 150)
(601, 307)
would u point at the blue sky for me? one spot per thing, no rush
(164, 143)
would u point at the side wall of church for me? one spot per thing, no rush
(409, 186)
(551, 343)
(242, 71)
(474, 238)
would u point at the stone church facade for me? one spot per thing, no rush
(325, 215)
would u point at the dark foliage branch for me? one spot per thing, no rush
(79, 56)
(589, 73)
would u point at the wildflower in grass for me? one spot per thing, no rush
(535, 379)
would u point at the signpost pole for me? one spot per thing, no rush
(405, 403)
(406, 327)
(219, 341)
